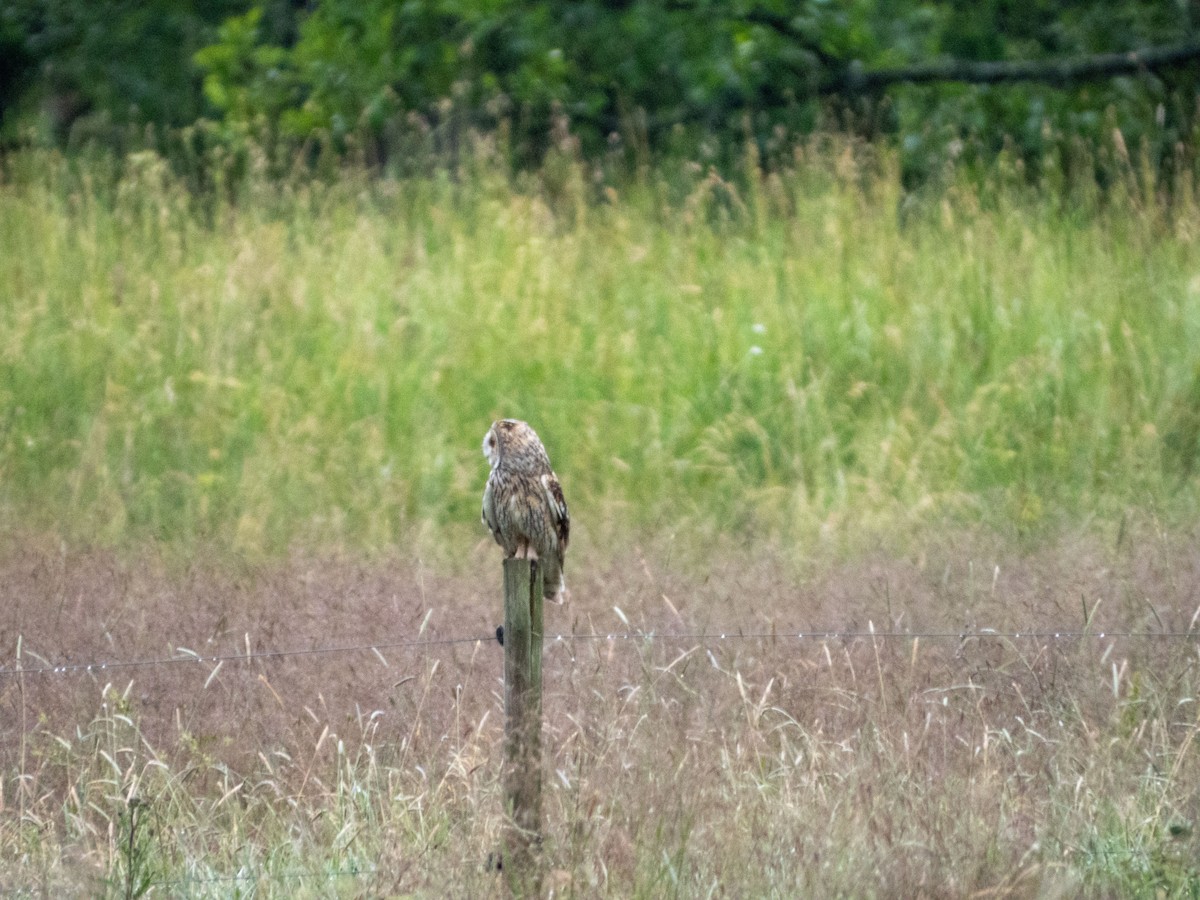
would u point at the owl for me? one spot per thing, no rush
(523, 502)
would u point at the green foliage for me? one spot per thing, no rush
(791, 356)
(242, 77)
(713, 68)
(687, 76)
(1046, 122)
(110, 61)
(363, 67)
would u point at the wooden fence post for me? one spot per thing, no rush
(523, 725)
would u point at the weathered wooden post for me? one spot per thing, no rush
(523, 725)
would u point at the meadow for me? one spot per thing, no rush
(958, 427)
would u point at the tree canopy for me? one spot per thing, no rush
(940, 79)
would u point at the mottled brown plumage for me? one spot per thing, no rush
(523, 502)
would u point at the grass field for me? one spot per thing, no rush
(934, 766)
(808, 356)
(249, 421)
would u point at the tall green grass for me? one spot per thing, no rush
(804, 353)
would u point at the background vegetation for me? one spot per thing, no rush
(810, 355)
(693, 78)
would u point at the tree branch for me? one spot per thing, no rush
(786, 27)
(855, 80)
(781, 24)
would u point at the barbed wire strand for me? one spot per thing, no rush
(190, 657)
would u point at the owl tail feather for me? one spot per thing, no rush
(554, 585)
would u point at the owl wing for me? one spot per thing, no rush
(557, 504)
(488, 514)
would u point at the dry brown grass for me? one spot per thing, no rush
(743, 766)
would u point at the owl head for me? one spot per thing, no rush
(513, 444)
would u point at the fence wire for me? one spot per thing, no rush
(185, 657)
